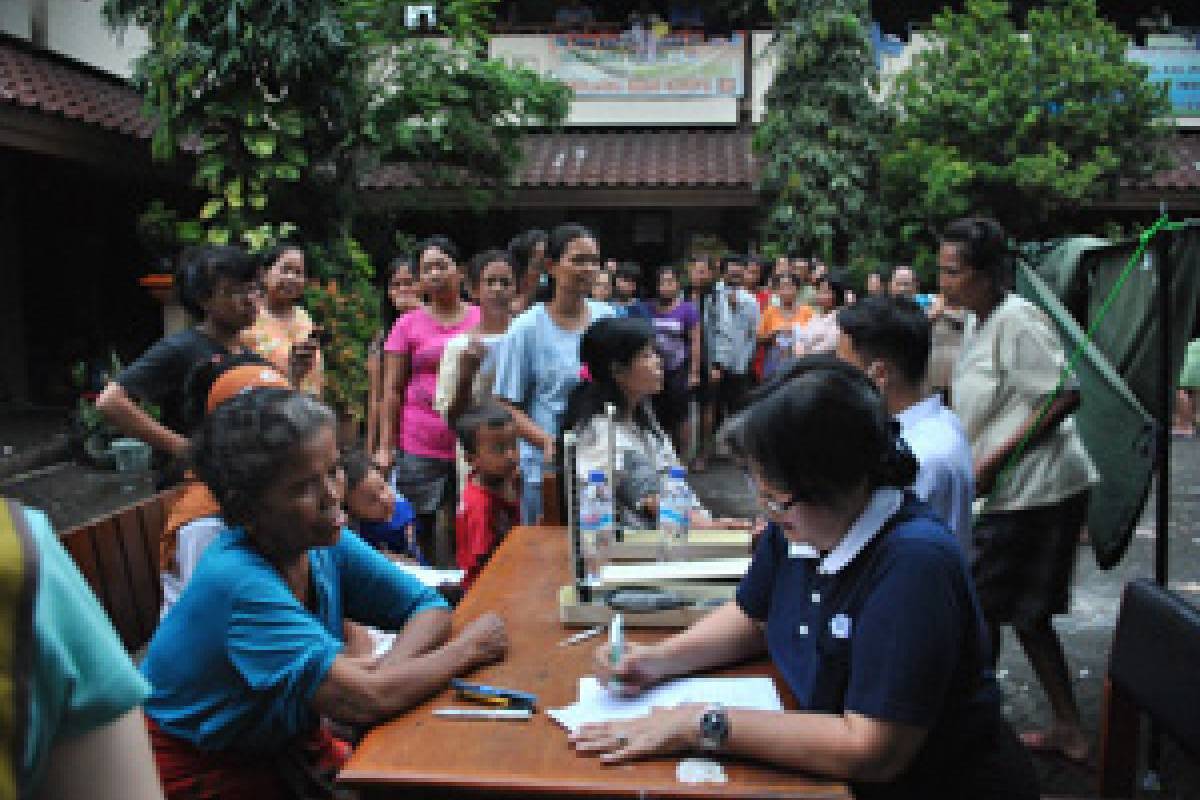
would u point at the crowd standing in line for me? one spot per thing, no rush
(280, 548)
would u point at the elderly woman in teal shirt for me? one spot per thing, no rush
(253, 655)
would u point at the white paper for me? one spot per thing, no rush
(431, 577)
(381, 641)
(597, 704)
(652, 571)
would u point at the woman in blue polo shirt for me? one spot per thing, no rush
(251, 657)
(862, 599)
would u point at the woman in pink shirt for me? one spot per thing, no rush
(424, 446)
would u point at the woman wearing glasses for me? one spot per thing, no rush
(860, 597)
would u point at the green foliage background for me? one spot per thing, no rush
(820, 141)
(287, 104)
(1022, 126)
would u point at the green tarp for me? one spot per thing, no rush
(1119, 370)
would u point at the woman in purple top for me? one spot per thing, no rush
(424, 454)
(677, 337)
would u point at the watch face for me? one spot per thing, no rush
(714, 728)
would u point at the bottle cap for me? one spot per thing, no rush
(677, 472)
(596, 476)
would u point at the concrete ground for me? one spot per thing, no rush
(71, 493)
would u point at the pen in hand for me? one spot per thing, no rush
(616, 648)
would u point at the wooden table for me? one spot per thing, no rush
(469, 757)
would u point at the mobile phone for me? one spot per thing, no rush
(321, 336)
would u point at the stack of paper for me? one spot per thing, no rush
(432, 577)
(597, 704)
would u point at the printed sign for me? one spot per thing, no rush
(1179, 68)
(641, 63)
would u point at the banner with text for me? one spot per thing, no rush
(642, 64)
(1179, 68)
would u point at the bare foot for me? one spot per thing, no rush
(1068, 743)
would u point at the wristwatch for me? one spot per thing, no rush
(714, 728)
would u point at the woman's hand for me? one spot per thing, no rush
(661, 732)
(486, 640)
(302, 358)
(639, 667)
(383, 459)
(693, 378)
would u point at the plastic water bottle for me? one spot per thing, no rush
(595, 525)
(674, 509)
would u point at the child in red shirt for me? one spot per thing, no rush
(490, 503)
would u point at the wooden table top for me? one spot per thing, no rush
(534, 757)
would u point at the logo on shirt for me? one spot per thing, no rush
(839, 626)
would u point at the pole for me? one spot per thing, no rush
(1166, 381)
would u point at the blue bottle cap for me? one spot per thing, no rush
(677, 472)
(596, 476)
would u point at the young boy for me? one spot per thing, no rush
(219, 287)
(382, 518)
(490, 503)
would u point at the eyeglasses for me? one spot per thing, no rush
(776, 508)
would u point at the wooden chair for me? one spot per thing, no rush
(118, 556)
(1153, 670)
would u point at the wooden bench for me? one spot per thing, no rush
(118, 556)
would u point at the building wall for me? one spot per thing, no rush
(75, 28)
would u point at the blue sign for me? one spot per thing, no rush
(1179, 68)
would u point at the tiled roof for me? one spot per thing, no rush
(43, 83)
(617, 159)
(608, 159)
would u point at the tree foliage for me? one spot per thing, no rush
(287, 104)
(1018, 125)
(819, 142)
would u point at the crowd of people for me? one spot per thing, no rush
(875, 588)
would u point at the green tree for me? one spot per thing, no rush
(819, 142)
(1021, 126)
(288, 104)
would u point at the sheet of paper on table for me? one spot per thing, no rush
(652, 571)
(597, 704)
(431, 577)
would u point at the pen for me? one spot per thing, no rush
(483, 713)
(582, 636)
(616, 645)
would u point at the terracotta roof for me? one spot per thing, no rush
(616, 159)
(41, 82)
(1184, 153)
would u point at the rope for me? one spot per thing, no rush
(1144, 239)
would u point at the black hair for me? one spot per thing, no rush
(200, 379)
(731, 258)
(629, 271)
(269, 257)
(356, 464)
(488, 414)
(480, 260)
(200, 268)
(837, 282)
(521, 248)
(439, 241)
(240, 448)
(388, 314)
(606, 344)
(819, 429)
(562, 236)
(982, 245)
(894, 329)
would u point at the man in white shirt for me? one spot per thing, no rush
(889, 339)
